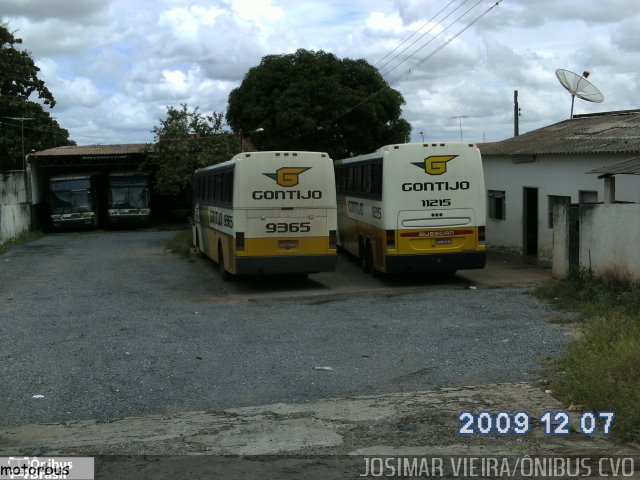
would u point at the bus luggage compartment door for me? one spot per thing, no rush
(436, 231)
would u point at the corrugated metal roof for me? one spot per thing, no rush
(608, 132)
(628, 167)
(122, 149)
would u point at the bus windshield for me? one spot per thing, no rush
(69, 201)
(129, 196)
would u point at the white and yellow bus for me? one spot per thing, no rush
(413, 208)
(267, 212)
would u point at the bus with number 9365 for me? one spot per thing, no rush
(267, 213)
(413, 207)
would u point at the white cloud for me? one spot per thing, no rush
(187, 24)
(79, 91)
(69, 92)
(47, 9)
(261, 12)
(114, 65)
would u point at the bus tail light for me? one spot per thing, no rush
(391, 239)
(481, 235)
(332, 239)
(239, 241)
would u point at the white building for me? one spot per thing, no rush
(527, 175)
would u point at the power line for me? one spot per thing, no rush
(439, 34)
(427, 57)
(473, 22)
(31, 128)
(374, 94)
(425, 34)
(414, 33)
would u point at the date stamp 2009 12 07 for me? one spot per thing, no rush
(520, 423)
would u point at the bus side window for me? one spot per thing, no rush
(376, 180)
(366, 183)
(211, 190)
(227, 188)
(358, 185)
(204, 188)
(218, 188)
(341, 178)
(351, 180)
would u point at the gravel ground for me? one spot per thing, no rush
(105, 325)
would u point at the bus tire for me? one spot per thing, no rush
(365, 256)
(198, 247)
(369, 252)
(224, 274)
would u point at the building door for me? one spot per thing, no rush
(530, 221)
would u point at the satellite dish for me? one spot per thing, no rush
(579, 86)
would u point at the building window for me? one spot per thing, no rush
(497, 206)
(587, 196)
(554, 200)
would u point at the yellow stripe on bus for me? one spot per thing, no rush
(418, 241)
(441, 240)
(284, 246)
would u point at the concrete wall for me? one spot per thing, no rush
(562, 175)
(561, 225)
(15, 211)
(601, 239)
(609, 241)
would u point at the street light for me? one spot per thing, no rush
(22, 120)
(459, 117)
(257, 130)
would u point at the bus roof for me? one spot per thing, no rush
(128, 174)
(269, 154)
(71, 176)
(401, 146)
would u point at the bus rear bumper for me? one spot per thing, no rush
(73, 222)
(129, 219)
(447, 262)
(289, 264)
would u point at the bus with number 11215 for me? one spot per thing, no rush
(413, 207)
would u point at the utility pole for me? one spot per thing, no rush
(22, 120)
(516, 114)
(459, 117)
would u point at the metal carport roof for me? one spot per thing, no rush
(630, 166)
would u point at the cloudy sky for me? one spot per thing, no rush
(115, 65)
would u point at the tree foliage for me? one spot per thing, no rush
(19, 86)
(315, 101)
(185, 141)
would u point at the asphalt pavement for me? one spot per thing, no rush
(105, 325)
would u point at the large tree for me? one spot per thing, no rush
(315, 101)
(185, 141)
(19, 86)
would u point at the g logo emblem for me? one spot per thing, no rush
(435, 164)
(287, 176)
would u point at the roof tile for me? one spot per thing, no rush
(608, 132)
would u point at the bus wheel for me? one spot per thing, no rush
(198, 247)
(371, 268)
(366, 258)
(224, 274)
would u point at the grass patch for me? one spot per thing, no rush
(20, 240)
(601, 369)
(591, 297)
(180, 244)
